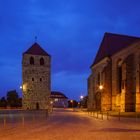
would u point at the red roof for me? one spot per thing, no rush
(35, 49)
(113, 43)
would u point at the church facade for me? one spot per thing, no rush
(36, 78)
(114, 82)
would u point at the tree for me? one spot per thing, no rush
(12, 98)
(3, 102)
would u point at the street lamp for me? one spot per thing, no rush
(101, 91)
(101, 87)
(51, 102)
(72, 103)
(81, 97)
(78, 104)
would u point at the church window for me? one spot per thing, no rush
(40, 79)
(41, 61)
(99, 79)
(119, 79)
(32, 79)
(31, 60)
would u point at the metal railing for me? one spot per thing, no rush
(109, 115)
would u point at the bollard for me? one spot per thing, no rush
(23, 121)
(102, 116)
(107, 116)
(4, 121)
(119, 116)
(136, 116)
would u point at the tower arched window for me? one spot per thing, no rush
(31, 60)
(41, 61)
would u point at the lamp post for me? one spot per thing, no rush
(72, 103)
(78, 104)
(101, 87)
(101, 90)
(81, 98)
(51, 102)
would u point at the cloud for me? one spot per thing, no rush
(73, 85)
(70, 30)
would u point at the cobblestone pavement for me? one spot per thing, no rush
(64, 124)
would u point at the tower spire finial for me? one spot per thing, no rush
(35, 38)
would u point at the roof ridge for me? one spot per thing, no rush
(36, 49)
(113, 43)
(119, 34)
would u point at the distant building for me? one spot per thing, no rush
(59, 99)
(114, 82)
(36, 78)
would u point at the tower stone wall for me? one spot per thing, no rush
(36, 76)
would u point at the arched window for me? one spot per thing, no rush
(31, 60)
(119, 75)
(120, 79)
(99, 79)
(41, 61)
(32, 79)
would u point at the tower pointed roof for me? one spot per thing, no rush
(36, 49)
(113, 43)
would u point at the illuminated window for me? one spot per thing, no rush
(56, 100)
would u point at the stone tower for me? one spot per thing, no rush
(36, 78)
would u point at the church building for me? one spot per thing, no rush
(114, 82)
(36, 78)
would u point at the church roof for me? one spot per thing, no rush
(35, 49)
(113, 43)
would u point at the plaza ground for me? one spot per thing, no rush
(64, 124)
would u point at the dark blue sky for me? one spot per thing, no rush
(69, 30)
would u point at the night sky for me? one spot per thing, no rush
(69, 30)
